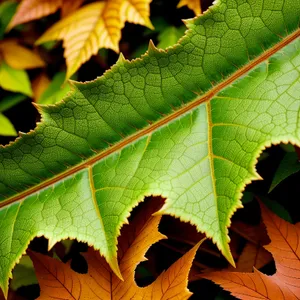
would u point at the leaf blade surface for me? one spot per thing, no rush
(110, 133)
(56, 278)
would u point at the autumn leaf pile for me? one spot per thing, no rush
(57, 279)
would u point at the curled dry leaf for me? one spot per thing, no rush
(100, 282)
(285, 248)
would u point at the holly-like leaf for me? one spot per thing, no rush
(285, 248)
(19, 57)
(187, 123)
(194, 5)
(58, 280)
(95, 26)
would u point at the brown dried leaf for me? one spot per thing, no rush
(252, 256)
(285, 248)
(57, 279)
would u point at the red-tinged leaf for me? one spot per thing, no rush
(248, 286)
(252, 256)
(57, 279)
(285, 248)
(29, 10)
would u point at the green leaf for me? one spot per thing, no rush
(170, 36)
(289, 165)
(14, 80)
(7, 10)
(247, 197)
(23, 274)
(6, 127)
(188, 124)
(56, 90)
(277, 209)
(10, 101)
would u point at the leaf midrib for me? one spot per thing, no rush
(132, 138)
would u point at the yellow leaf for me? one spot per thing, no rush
(34, 9)
(58, 280)
(14, 80)
(6, 127)
(96, 25)
(19, 57)
(137, 12)
(191, 4)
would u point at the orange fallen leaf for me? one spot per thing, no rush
(252, 256)
(58, 279)
(255, 234)
(19, 57)
(191, 4)
(94, 26)
(285, 248)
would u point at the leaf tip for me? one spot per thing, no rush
(51, 243)
(121, 60)
(151, 48)
(188, 22)
(113, 263)
(149, 24)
